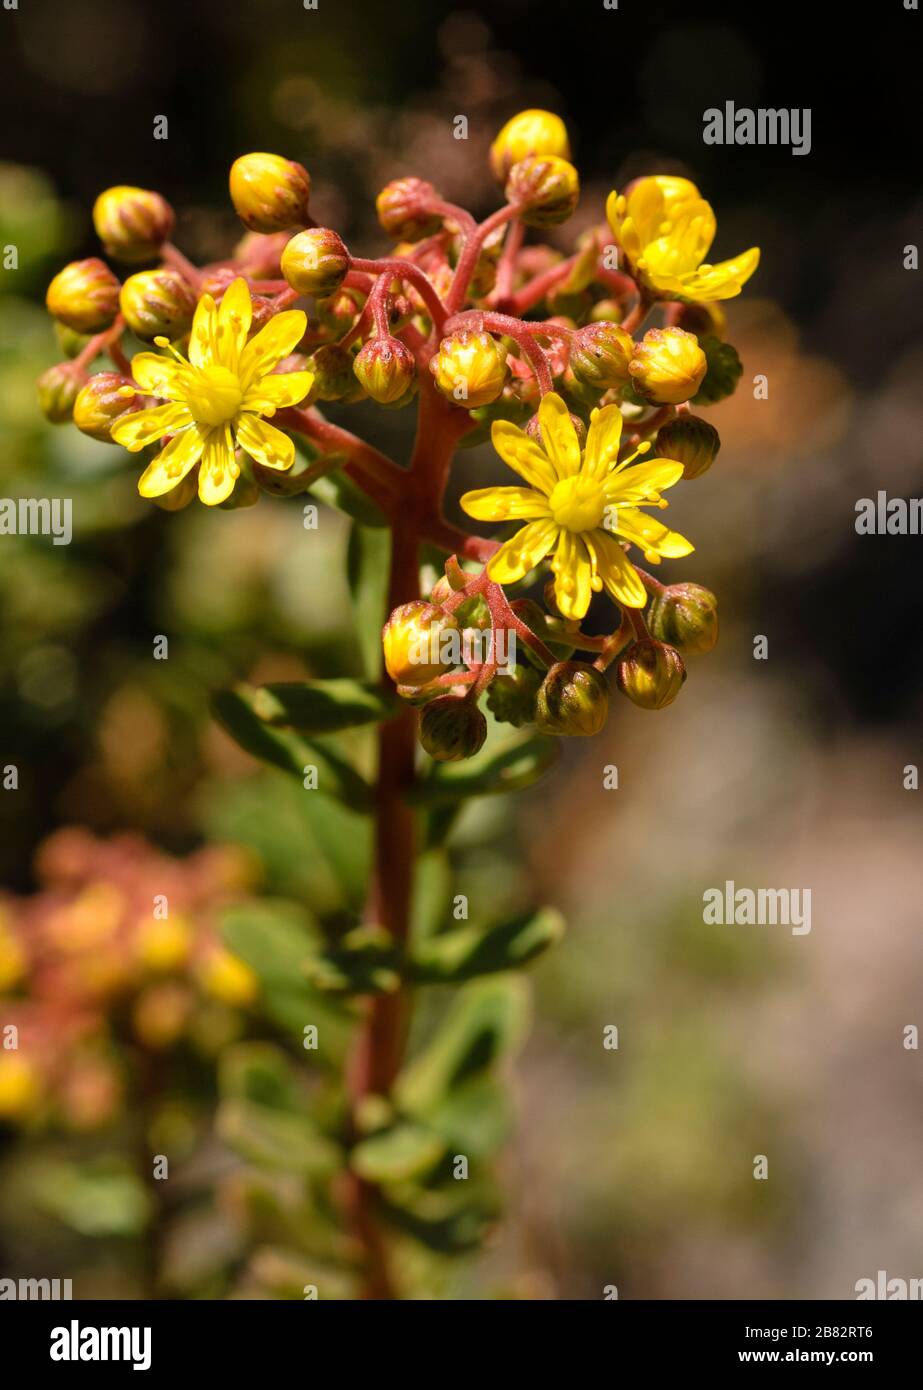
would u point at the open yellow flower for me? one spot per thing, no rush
(665, 228)
(217, 399)
(577, 505)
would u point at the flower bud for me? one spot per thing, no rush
(339, 312)
(546, 189)
(315, 262)
(723, 372)
(573, 700)
(532, 132)
(180, 496)
(57, 392)
(609, 310)
(441, 590)
(263, 310)
(401, 207)
(691, 441)
(164, 944)
(600, 354)
(84, 296)
(571, 304)
(269, 193)
(452, 729)
(217, 280)
(160, 1014)
(668, 366)
(651, 674)
(259, 254)
(157, 303)
(470, 369)
(511, 695)
(334, 379)
(686, 616)
(70, 342)
(101, 401)
(704, 320)
(228, 978)
(132, 223)
(386, 368)
(20, 1087)
(412, 643)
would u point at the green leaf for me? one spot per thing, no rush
(365, 961)
(281, 1273)
(466, 952)
(100, 1197)
(397, 1155)
(487, 1019)
(438, 822)
(344, 838)
(293, 753)
(448, 1225)
(474, 1119)
(274, 939)
(339, 491)
(510, 769)
(368, 560)
(276, 1138)
(323, 707)
(261, 1073)
(277, 942)
(432, 894)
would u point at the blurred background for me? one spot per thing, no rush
(631, 1167)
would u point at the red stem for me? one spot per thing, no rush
(396, 268)
(470, 253)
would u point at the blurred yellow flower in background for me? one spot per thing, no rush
(665, 228)
(216, 399)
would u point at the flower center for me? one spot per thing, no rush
(578, 504)
(214, 395)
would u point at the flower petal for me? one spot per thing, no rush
(656, 199)
(559, 436)
(265, 443)
(276, 391)
(504, 503)
(280, 336)
(143, 427)
(235, 314)
(219, 469)
(641, 482)
(524, 456)
(721, 281)
(656, 540)
(522, 552)
(158, 375)
(203, 337)
(683, 242)
(602, 442)
(573, 575)
(617, 574)
(172, 464)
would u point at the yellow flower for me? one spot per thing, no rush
(665, 228)
(19, 1087)
(216, 399)
(577, 505)
(229, 979)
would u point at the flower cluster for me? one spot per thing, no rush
(120, 950)
(491, 334)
